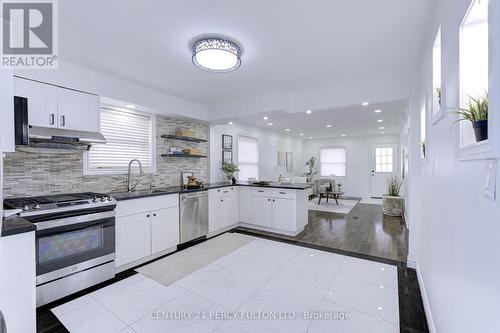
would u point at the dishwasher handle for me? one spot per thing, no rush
(194, 195)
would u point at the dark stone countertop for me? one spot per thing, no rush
(179, 189)
(14, 225)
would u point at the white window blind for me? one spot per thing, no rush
(332, 162)
(248, 157)
(129, 135)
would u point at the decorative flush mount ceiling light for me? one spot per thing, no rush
(216, 55)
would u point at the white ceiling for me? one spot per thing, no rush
(352, 120)
(288, 45)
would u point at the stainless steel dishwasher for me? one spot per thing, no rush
(193, 215)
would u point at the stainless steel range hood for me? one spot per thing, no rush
(41, 139)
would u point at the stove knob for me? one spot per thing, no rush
(37, 206)
(96, 199)
(26, 207)
(108, 198)
(103, 199)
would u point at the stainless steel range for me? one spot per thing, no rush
(75, 241)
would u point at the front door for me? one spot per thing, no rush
(383, 163)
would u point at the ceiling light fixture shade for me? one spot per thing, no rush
(216, 55)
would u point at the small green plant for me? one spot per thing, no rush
(312, 172)
(229, 169)
(477, 109)
(394, 184)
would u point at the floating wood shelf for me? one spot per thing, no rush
(183, 155)
(183, 138)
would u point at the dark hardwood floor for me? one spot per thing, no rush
(365, 230)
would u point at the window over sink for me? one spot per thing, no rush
(248, 158)
(129, 135)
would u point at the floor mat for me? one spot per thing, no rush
(178, 265)
(344, 206)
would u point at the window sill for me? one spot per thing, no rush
(477, 151)
(438, 116)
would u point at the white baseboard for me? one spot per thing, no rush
(425, 301)
(276, 231)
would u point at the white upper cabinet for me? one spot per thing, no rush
(52, 106)
(77, 110)
(42, 101)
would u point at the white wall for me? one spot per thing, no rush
(455, 240)
(269, 145)
(107, 85)
(358, 169)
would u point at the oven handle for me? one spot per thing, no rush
(73, 220)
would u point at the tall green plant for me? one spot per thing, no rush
(312, 172)
(476, 110)
(394, 184)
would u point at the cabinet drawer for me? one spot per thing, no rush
(134, 206)
(284, 194)
(224, 191)
(262, 192)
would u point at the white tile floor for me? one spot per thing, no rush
(238, 292)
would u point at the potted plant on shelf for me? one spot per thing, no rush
(477, 113)
(229, 170)
(312, 172)
(392, 202)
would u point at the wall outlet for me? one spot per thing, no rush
(490, 185)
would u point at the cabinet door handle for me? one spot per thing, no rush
(260, 191)
(273, 200)
(154, 215)
(63, 120)
(52, 119)
(147, 215)
(221, 200)
(268, 199)
(282, 192)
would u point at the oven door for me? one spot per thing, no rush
(72, 244)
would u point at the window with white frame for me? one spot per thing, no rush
(437, 92)
(474, 61)
(384, 159)
(129, 135)
(248, 157)
(332, 162)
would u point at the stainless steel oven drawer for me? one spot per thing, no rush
(57, 289)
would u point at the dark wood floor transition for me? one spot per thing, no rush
(364, 230)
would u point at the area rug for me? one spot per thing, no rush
(371, 201)
(344, 206)
(180, 264)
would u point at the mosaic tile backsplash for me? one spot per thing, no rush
(27, 174)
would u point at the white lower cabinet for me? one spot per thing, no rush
(164, 229)
(261, 211)
(284, 214)
(133, 238)
(223, 208)
(145, 227)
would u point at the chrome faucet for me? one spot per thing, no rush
(131, 188)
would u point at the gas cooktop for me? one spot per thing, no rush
(59, 202)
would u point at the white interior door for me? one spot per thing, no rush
(383, 163)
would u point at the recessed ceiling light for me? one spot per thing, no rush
(381, 127)
(343, 135)
(328, 126)
(269, 124)
(382, 132)
(310, 137)
(377, 111)
(130, 106)
(230, 123)
(308, 111)
(266, 118)
(380, 121)
(365, 104)
(301, 134)
(288, 130)
(215, 54)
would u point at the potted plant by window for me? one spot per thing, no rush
(229, 170)
(477, 113)
(312, 172)
(392, 202)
